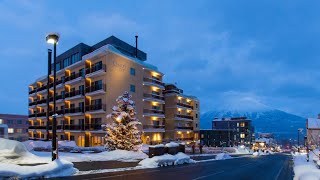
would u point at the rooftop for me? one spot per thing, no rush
(313, 123)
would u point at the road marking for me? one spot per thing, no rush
(280, 171)
(106, 177)
(208, 175)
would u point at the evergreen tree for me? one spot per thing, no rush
(123, 132)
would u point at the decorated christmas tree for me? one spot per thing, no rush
(123, 132)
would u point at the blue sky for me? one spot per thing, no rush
(266, 51)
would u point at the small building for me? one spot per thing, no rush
(228, 132)
(14, 127)
(264, 141)
(3, 131)
(313, 131)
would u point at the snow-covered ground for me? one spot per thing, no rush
(304, 170)
(116, 155)
(14, 153)
(165, 160)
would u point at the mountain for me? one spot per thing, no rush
(265, 119)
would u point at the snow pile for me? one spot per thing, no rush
(53, 169)
(223, 156)
(303, 169)
(261, 153)
(172, 144)
(116, 155)
(14, 152)
(242, 150)
(165, 160)
(47, 145)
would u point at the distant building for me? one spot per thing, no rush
(264, 141)
(3, 130)
(228, 132)
(313, 131)
(14, 127)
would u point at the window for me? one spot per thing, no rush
(196, 105)
(133, 71)
(242, 124)
(71, 138)
(81, 72)
(10, 130)
(19, 121)
(242, 135)
(202, 135)
(196, 115)
(57, 66)
(10, 122)
(1, 121)
(132, 88)
(19, 130)
(66, 62)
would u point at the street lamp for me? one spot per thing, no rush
(53, 38)
(48, 88)
(299, 131)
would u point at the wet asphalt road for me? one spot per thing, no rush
(271, 167)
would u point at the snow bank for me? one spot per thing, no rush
(31, 145)
(116, 155)
(14, 152)
(172, 144)
(242, 150)
(53, 169)
(260, 153)
(222, 156)
(304, 170)
(165, 160)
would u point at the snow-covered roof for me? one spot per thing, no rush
(313, 123)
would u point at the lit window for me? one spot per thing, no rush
(19, 130)
(1, 121)
(10, 130)
(242, 135)
(242, 124)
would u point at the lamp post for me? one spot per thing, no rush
(299, 131)
(48, 82)
(53, 38)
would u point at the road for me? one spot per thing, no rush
(272, 167)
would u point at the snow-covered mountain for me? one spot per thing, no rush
(264, 118)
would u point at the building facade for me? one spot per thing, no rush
(89, 79)
(313, 132)
(228, 132)
(14, 127)
(182, 115)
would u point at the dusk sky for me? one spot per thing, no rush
(265, 51)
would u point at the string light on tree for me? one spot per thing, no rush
(123, 132)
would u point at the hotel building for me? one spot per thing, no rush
(182, 114)
(89, 79)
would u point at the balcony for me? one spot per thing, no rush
(92, 127)
(96, 89)
(33, 91)
(184, 117)
(32, 103)
(153, 97)
(74, 78)
(42, 88)
(185, 105)
(74, 111)
(32, 115)
(38, 127)
(96, 70)
(153, 128)
(184, 128)
(74, 94)
(153, 112)
(153, 82)
(43, 114)
(42, 101)
(96, 108)
(69, 127)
